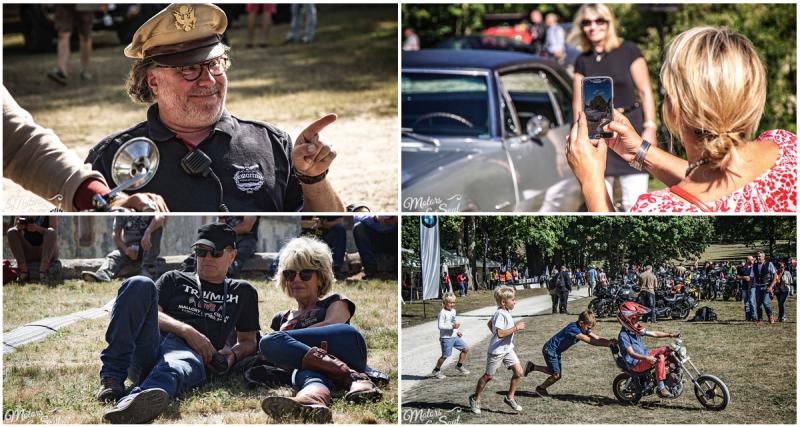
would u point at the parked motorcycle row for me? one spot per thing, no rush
(669, 305)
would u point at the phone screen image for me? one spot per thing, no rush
(598, 104)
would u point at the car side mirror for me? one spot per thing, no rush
(537, 126)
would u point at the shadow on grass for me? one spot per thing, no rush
(414, 377)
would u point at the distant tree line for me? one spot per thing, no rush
(610, 240)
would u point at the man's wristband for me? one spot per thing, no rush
(638, 161)
(305, 179)
(102, 203)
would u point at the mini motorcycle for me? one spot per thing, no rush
(629, 387)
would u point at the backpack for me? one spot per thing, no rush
(552, 285)
(704, 314)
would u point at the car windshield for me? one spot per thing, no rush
(445, 104)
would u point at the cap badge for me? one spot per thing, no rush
(184, 18)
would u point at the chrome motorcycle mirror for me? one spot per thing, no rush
(134, 164)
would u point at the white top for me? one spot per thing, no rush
(447, 318)
(501, 319)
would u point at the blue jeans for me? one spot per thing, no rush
(651, 304)
(138, 350)
(299, 12)
(336, 238)
(781, 304)
(245, 249)
(462, 289)
(748, 298)
(369, 241)
(762, 299)
(287, 349)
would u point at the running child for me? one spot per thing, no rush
(501, 348)
(450, 336)
(561, 342)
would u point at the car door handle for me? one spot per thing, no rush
(502, 205)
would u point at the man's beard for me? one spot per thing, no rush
(188, 113)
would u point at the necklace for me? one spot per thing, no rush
(695, 165)
(598, 56)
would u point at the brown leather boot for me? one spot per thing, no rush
(309, 405)
(359, 387)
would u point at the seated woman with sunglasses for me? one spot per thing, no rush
(715, 89)
(316, 338)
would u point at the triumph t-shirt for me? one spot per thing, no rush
(181, 298)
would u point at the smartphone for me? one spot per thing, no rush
(598, 104)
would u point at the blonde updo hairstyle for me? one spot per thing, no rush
(715, 87)
(578, 38)
(307, 253)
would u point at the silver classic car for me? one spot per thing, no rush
(485, 131)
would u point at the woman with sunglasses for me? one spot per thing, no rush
(315, 338)
(605, 54)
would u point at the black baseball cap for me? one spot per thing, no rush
(217, 235)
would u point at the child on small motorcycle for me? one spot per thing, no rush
(561, 342)
(636, 355)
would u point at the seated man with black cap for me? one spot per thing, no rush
(233, 164)
(169, 336)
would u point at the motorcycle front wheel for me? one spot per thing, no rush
(627, 389)
(681, 312)
(712, 393)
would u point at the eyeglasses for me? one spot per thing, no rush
(305, 275)
(202, 252)
(599, 22)
(190, 73)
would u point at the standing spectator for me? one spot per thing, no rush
(267, 10)
(578, 278)
(69, 16)
(649, 283)
(34, 238)
(302, 12)
(555, 43)
(782, 290)
(375, 235)
(605, 54)
(764, 279)
(495, 279)
(447, 288)
(602, 278)
(538, 30)
(331, 230)
(462, 287)
(411, 41)
(564, 281)
(552, 289)
(592, 275)
(138, 242)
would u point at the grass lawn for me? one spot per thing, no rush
(757, 362)
(54, 380)
(350, 69)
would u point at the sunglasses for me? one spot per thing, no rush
(202, 252)
(599, 22)
(305, 275)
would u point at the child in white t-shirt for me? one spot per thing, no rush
(450, 336)
(501, 348)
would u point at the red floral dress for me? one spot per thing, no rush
(774, 191)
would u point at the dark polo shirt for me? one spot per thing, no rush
(252, 160)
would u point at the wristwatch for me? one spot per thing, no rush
(638, 161)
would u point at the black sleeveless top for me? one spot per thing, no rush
(312, 317)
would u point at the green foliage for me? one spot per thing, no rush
(602, 240)
(771, 28)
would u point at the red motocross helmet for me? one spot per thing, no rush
(629, 315)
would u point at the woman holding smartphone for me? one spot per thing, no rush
(715, 88)
(605, 54)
